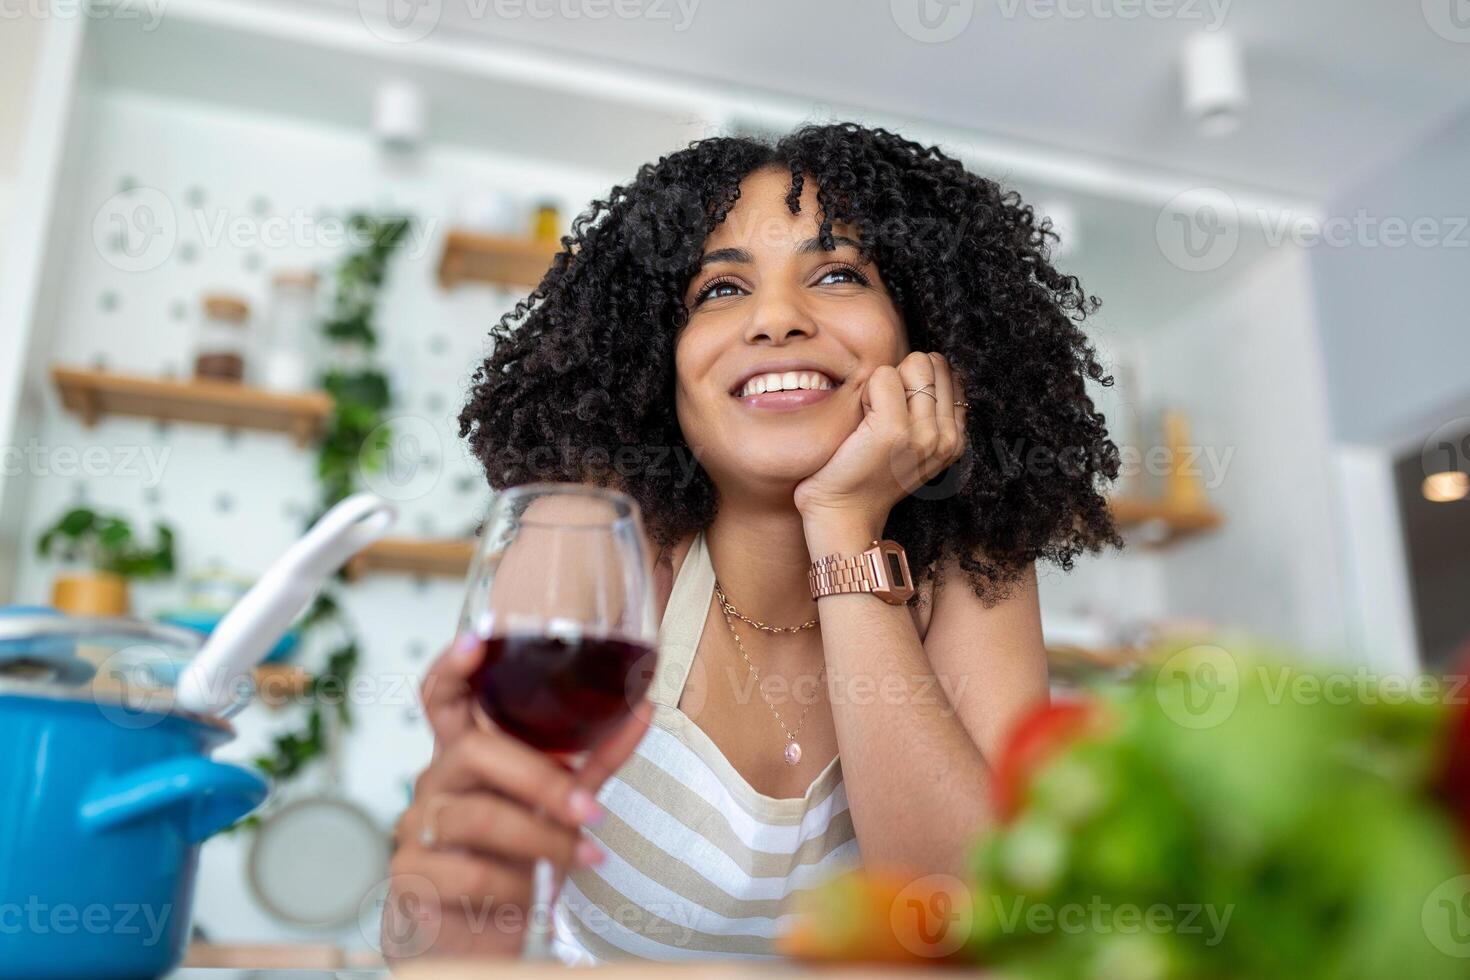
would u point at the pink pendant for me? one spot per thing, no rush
(793, 752)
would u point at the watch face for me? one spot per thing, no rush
(895, 568)
(892, 569)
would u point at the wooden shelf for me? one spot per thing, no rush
(471, 256)
(94, 394)
(446, 557)
(1165, 522)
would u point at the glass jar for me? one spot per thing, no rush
(219, 349)
(290, 352)
(547, 224)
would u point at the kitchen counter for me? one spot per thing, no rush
(501, 970)
(232, 973)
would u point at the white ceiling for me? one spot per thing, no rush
(1337, 85)
(1084, 110)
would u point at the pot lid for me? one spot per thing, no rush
(113, 661)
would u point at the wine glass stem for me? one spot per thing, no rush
(540, 921)
(539, 929)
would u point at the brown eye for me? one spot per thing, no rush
(717, 289)
(842, 274)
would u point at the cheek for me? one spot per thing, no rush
(692, 363)
(880, 338)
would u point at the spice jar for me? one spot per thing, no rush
(547, 226)
(219, 350)
(289, 355)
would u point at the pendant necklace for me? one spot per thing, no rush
(792, 752)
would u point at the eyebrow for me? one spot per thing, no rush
(740, 255)
(815, 244)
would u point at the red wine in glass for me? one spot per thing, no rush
(560, 694)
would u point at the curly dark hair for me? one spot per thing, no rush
(582, 369)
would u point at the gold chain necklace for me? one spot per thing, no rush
(792, 753)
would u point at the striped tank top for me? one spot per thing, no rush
(699, 864)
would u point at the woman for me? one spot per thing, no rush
(785, 353)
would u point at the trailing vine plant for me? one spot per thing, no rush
(355, 440)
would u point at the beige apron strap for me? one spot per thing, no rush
(678, 634)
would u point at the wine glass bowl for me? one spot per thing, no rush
(560, 600)
(560, 694)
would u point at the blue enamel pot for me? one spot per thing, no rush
(106, 792)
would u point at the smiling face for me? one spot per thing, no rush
(781, 337)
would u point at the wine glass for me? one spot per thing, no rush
(560, 599)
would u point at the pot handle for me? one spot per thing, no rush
(216, 794)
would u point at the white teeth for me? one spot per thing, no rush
(787, 381)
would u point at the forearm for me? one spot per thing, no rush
(917, 784)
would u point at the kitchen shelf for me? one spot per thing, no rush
(446, 557)
(1167, 521)
(95, 394)
(471, 256)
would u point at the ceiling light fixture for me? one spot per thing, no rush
(400, 116)
(1446, 487)
(1214, 83)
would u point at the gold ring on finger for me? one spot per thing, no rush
(961, 404)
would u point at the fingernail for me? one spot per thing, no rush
(589, 855)
(465, 647)
(584, 808)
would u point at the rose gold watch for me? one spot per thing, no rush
(882, 570)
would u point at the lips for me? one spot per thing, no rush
(785, 400)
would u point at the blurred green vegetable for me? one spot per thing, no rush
(1235, 816)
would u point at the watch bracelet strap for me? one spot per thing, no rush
(838, 574)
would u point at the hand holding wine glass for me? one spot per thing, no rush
(496, 806)
(532, 708)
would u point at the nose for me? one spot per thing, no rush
(777, 318)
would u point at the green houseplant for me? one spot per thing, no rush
(110, 554)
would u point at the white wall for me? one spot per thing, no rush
(7, 191)
(1114, 590)
(19, 44)
(1247, 367)
(1394, 307)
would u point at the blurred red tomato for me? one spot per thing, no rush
(1037, 737)
(1454, 784)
